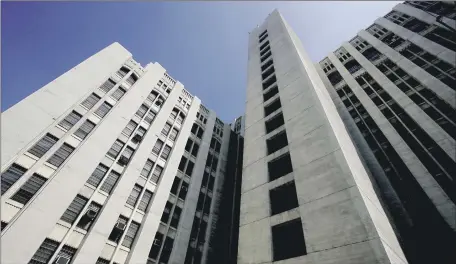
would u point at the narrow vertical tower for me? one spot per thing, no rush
(306, 196)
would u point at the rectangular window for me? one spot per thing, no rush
(274, 123)
(42, 146)
(176, 217)
(149, 117)
(182, 163)
(277, 142)
(117, 94)
(74, 209)
(145, 200)
(180, 119)
(131, 80)
(122, 72)
(84, 130)
(107, 86)
(141, 111)
(263, 37)
(128, 130)
(267, 73)
(268, 48)
(61, 155)
(156, 245)
(200, 132)
(97, 175)
(188, 146)
(110, 182)
(70, 120)
(90, 101)
(29, 189)
(147, 168)
(118, 229)
(264, 45)
(133, 198)
(89, 216)
(166, 212)
(210, 186)
(282, 234)
(66, 252)
(270, 81)
(173, 134)
(265, 57)
(279, 167)
(175, 186)
(262, 34)
(272, 107)
(283, 198)
(150, 99)
(141, 132)
(189, 169)
(266, 65)
(44, 252)
(194, 128)
(103, 109)
(195, 149)
(165, 130)
(157, 173)
(126, 155)
(165, 153)
(183, 190)
(158, 146)
(115, 149)
(130, 235)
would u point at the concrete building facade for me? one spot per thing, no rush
(394, 87)
(108, 164)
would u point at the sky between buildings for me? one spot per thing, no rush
(201, 44)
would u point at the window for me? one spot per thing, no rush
(264, 45)
(166, 212)
(117, 230)
(283, 198)
(279, 167)
(131, 79)
(130, 235)
(44, 252)
(263, 37)
(90, 101)
(60, 155)
(4, 224)
(166, 251)
(117, 94)
(210, 186)
(145, 200)
(265, 57)
(180, 118)
(84, 130)
(159, 102)
(103, 109)
(188, 145)
(107, 86)
(42, 146)
(29, 189)
(183, 190)
(200, 132)
(133, 198)
(195, 149)
(156, 245)
(70, 120)
(262, 34)
(126, 156)
(175, 185)
(173, 134)
(110, 181)
(182, 163)
(151, 98)
(165, 130)
(102, 261)
(266, 65)
(67, 252)
(217, 146)
(189, 169)
(147, 168)
(122, 72)
(158, 146)
(115, 149)
(89, 216)
(194, 129)
(269, 82)
(157, 173)
(267, 73)
(272, 107)
(141, 111)
(214, 164)
(74, 209)
(274, 123)
(282, 234)
(149, 117)
(128, 130)
(173, 114)
(277, 142)
(97, 175)
(176, 217)
(165, 153)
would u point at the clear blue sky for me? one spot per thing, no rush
(202, 44)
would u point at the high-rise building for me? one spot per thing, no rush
(112, 163)
(350, 160)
